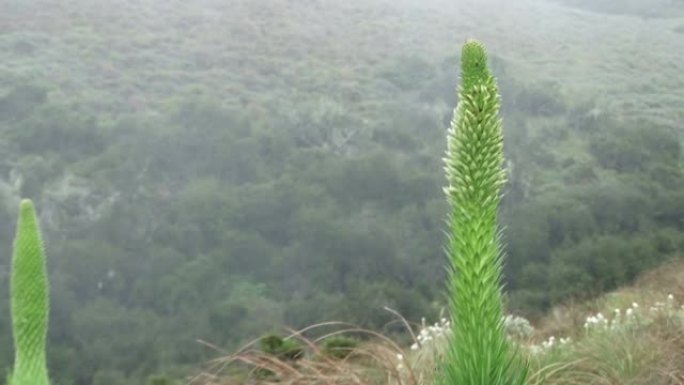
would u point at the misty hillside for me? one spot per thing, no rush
(215, 169)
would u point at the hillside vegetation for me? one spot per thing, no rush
(217, 169)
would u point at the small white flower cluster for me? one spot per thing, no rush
(664, 307)
(667, 310)
(632, 317)
(549, 345)
(620, 320)
(597, 321)
(429, 334)
(431, 338)
(400, 358)
(515, 326)
(518, 327)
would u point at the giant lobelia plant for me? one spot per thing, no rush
(478, 352)
(29, 301)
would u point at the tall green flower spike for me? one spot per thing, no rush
(479, 352)
(30, 301)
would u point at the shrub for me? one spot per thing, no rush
(339, 346)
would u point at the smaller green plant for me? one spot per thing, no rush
(284, 349)
(29, 301)
(339, 347)
(161, 380)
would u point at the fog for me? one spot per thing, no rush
(216, 170)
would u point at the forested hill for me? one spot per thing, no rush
(215, 169)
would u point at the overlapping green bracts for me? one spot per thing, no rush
(479, 352)
(30, 301)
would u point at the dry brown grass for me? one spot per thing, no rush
(650, 353)
(372, 362)
(652, 356)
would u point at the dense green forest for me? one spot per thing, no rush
(217, 169)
